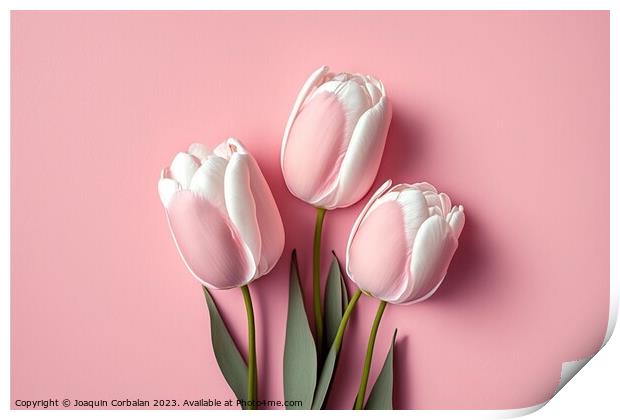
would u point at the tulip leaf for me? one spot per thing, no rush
(325, 379)
(380, 397)
(336, 302)
(300, 356)
(228, 357)
(335, 296)
(345, 294)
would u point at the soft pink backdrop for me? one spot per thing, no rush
(508, 112)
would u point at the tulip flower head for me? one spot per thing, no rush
(334, 138)
(222, 215)
(402, 243)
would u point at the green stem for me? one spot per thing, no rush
(361, 393)
(345, 319)
(316, 278)
(252, 373)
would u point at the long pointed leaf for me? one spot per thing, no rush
(228, 357)
(329, 365)
(380, 397)
(325, 379)
(345, 294)
(300, 358)
(333, 301)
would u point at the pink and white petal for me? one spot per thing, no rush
(200, 151)
(380, 270)
(314, 80)
(167, 188)
(222, 150)
(240, 203)
(391, 195)
(376, 82)
(235, 145)
(415, 211)
(383, 188)
(363, 156)
(268, 218)
(315, 150)
(435, 210)
(358, 78)
(424, 186)
(432, 252)
(183, 167)
(457, 221)
(328, 86)
(210, 248)
(208, 181)
(373, 91)
(446, 204)
(354, 98)
(432, 200)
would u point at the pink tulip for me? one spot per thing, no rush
(222, 215)
(403, 241)
(334, 138)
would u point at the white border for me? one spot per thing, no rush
(569, 369)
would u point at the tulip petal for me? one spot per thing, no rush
(235, 146)
(378, 83)
(316, 147)
(380, 270)
(183, 167)
(229, 146)
(208, 181)
(457, 221)
(446, 204)
(432, 252)
(424, 186)
(353, 96)
(373, 91)
(413, 204)
(222, 150)
(361, 216)
(314, 80)
(200, 151)
(167, 188)
(432, 199)
(240, 204)
(268, 219)
(435, 211)
(415, 211)
(210, 248)
(363, 156)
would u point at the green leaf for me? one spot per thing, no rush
(345, 294)
(336, 302)
(334, 299)
(325, 379)
(380, 397)
(300, 358)
(230, 361)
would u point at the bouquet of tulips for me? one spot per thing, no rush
(228, 231)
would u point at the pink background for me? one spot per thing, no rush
(508, 112)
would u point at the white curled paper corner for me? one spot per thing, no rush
(571, 368)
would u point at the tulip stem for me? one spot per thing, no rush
(361, 393)
(345, 319)
(316, 279)
(252, 373)
(337, 344)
